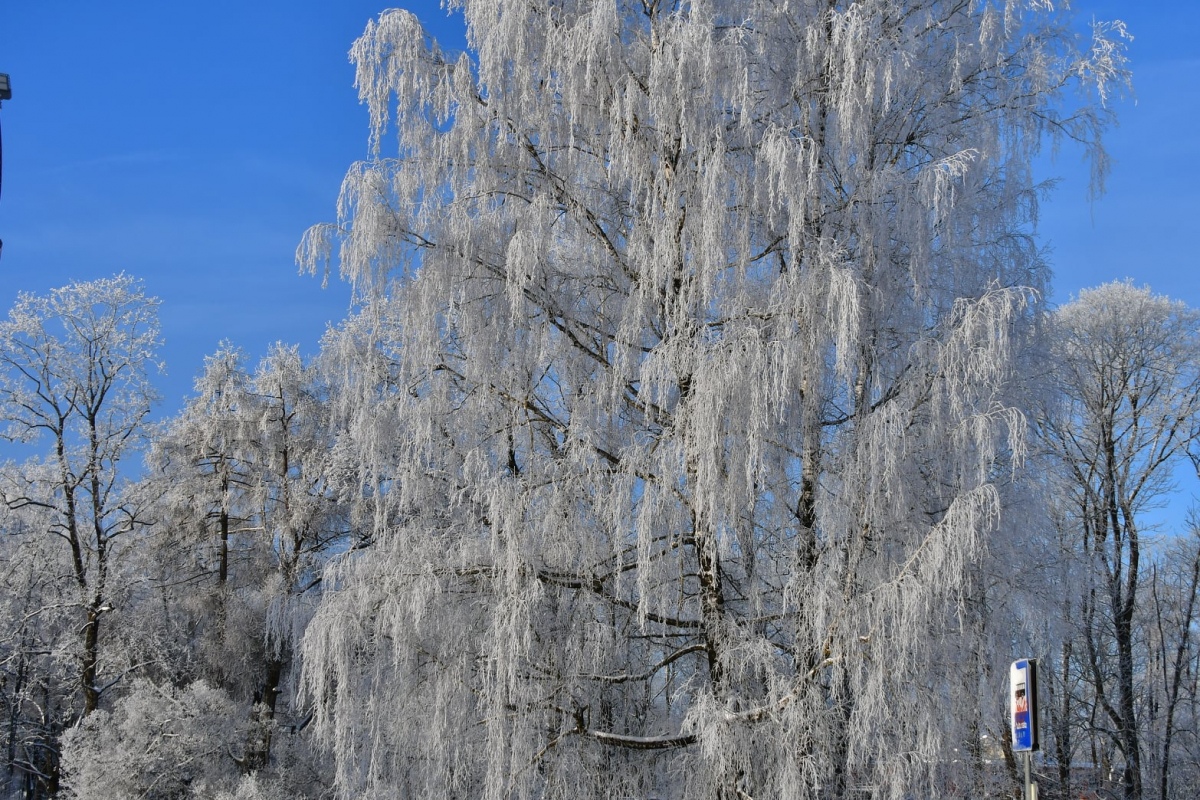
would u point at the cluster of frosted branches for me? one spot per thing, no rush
(681, 389)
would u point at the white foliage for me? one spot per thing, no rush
(1128, 390)
(687, 340)
(74, 369)
(157, 742)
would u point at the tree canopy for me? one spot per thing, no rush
(700, 429)
(699, 326)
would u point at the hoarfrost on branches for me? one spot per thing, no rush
(687, 392)
(74, 369)
(157, 742)
(251, 494)
(1128, 386)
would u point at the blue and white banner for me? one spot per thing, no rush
(1022, 679)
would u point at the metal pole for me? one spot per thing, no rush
(5, 94)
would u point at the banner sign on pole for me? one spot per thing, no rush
(1022, 679)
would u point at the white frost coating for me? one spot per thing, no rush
(682, 384)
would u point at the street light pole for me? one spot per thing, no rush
(5, 94)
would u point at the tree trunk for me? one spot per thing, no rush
(91, 655)
(1062, 725)
(258, 750)
(1130, 745)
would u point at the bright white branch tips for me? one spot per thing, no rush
(683, 389)
(74, 372)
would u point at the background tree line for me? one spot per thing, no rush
(700, 430)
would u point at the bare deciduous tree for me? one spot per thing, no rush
(74, 369)
(1128, 378)
(74, 373)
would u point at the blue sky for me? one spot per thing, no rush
(192, 144)
(189, 145)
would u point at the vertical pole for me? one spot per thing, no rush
(1028, 783)
(9, 94)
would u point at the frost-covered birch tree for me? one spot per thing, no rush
(683, 389)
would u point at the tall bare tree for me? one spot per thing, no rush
(74, 374)
(1128, 378)
(74, 370)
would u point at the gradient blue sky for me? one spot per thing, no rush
(192, 144)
